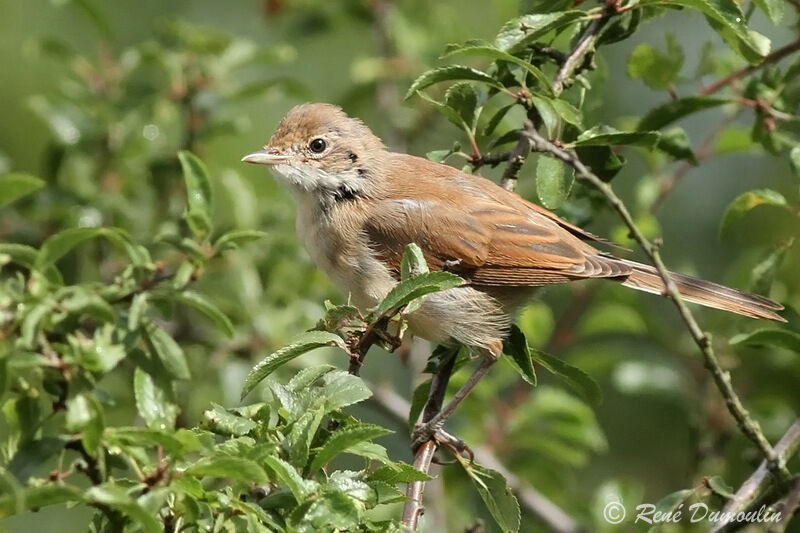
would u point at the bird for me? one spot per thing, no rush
(359, 205)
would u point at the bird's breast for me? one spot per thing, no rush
(336, 243)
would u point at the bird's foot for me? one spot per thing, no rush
(426, 432)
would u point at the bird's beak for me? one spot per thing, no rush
(266, 156)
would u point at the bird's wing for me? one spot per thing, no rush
(487, 235)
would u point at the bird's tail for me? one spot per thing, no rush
(646, 278)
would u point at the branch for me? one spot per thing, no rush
(749, 427)
(531, 499)
(574, 62)
(516, 158)
(423, 457)
(731, 78)
(760, 479)
(790, 506)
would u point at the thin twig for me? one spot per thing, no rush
(556, 519)
(760, 479)
(749, 427)
(516, 158)
(790, 506)
(733, 77)
(413, 509)
(574, 61)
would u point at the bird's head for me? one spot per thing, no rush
(318, 149)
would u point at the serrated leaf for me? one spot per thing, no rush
(450, 73)
(574, 377)
(153, 402)
(341, 389)
(516, 345)
(495, 493)
(17, 185)
(608, 136)
(223, 422)
(462, 97)
(780, 338)
(59, 244)
(553, 181)
(398, 473)
(523, 30)
(208, 308)
(150, 438)
(673, 110)
(198, 193)
(744, 203)
(547, 113)
(483, 49)
(343, 439)
(288, 475)
(302, 434)
(228, 466)
(304, 343)
(406, 291)
(167, 350)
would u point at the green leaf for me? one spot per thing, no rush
(574, 377)
(288, 475)
(608, 136)
(198, 194)
(223, 422)
(343, 439)
(728, 20)
(553, 181)
(234, 239)
(163, 346)
(398, 473)
(59, 244)
(175, 443)
(719, 487)
(673, 110)
(657, 69)
(207, 308)
(302, 434)
(413, 262)
(230, 467)
(406, 291)
(17, 185)
(34, 498)
(418, 399)
(452, 72)
(567, 112)
(521, 31)
(153, 402)
(30, 457)
(602, 160)
(780, 338)
(118, 498)
(676, 143)
(547, 113)
(763, 273)
(773, 8)
(670, 503)
(495, 493)
(746, 202)
(304, 343)
(516, 345)
(462, 97)
(483, 49)
(341, 389)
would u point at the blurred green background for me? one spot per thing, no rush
(661, 426)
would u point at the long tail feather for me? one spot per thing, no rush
(646, 278)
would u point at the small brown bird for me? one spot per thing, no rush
(359, 205)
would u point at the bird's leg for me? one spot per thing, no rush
(429, 430)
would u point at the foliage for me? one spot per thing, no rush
(136, 291)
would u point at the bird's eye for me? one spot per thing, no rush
(317, 145)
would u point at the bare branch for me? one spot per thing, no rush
(516, 158)
(760, 479)
(749, 427)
